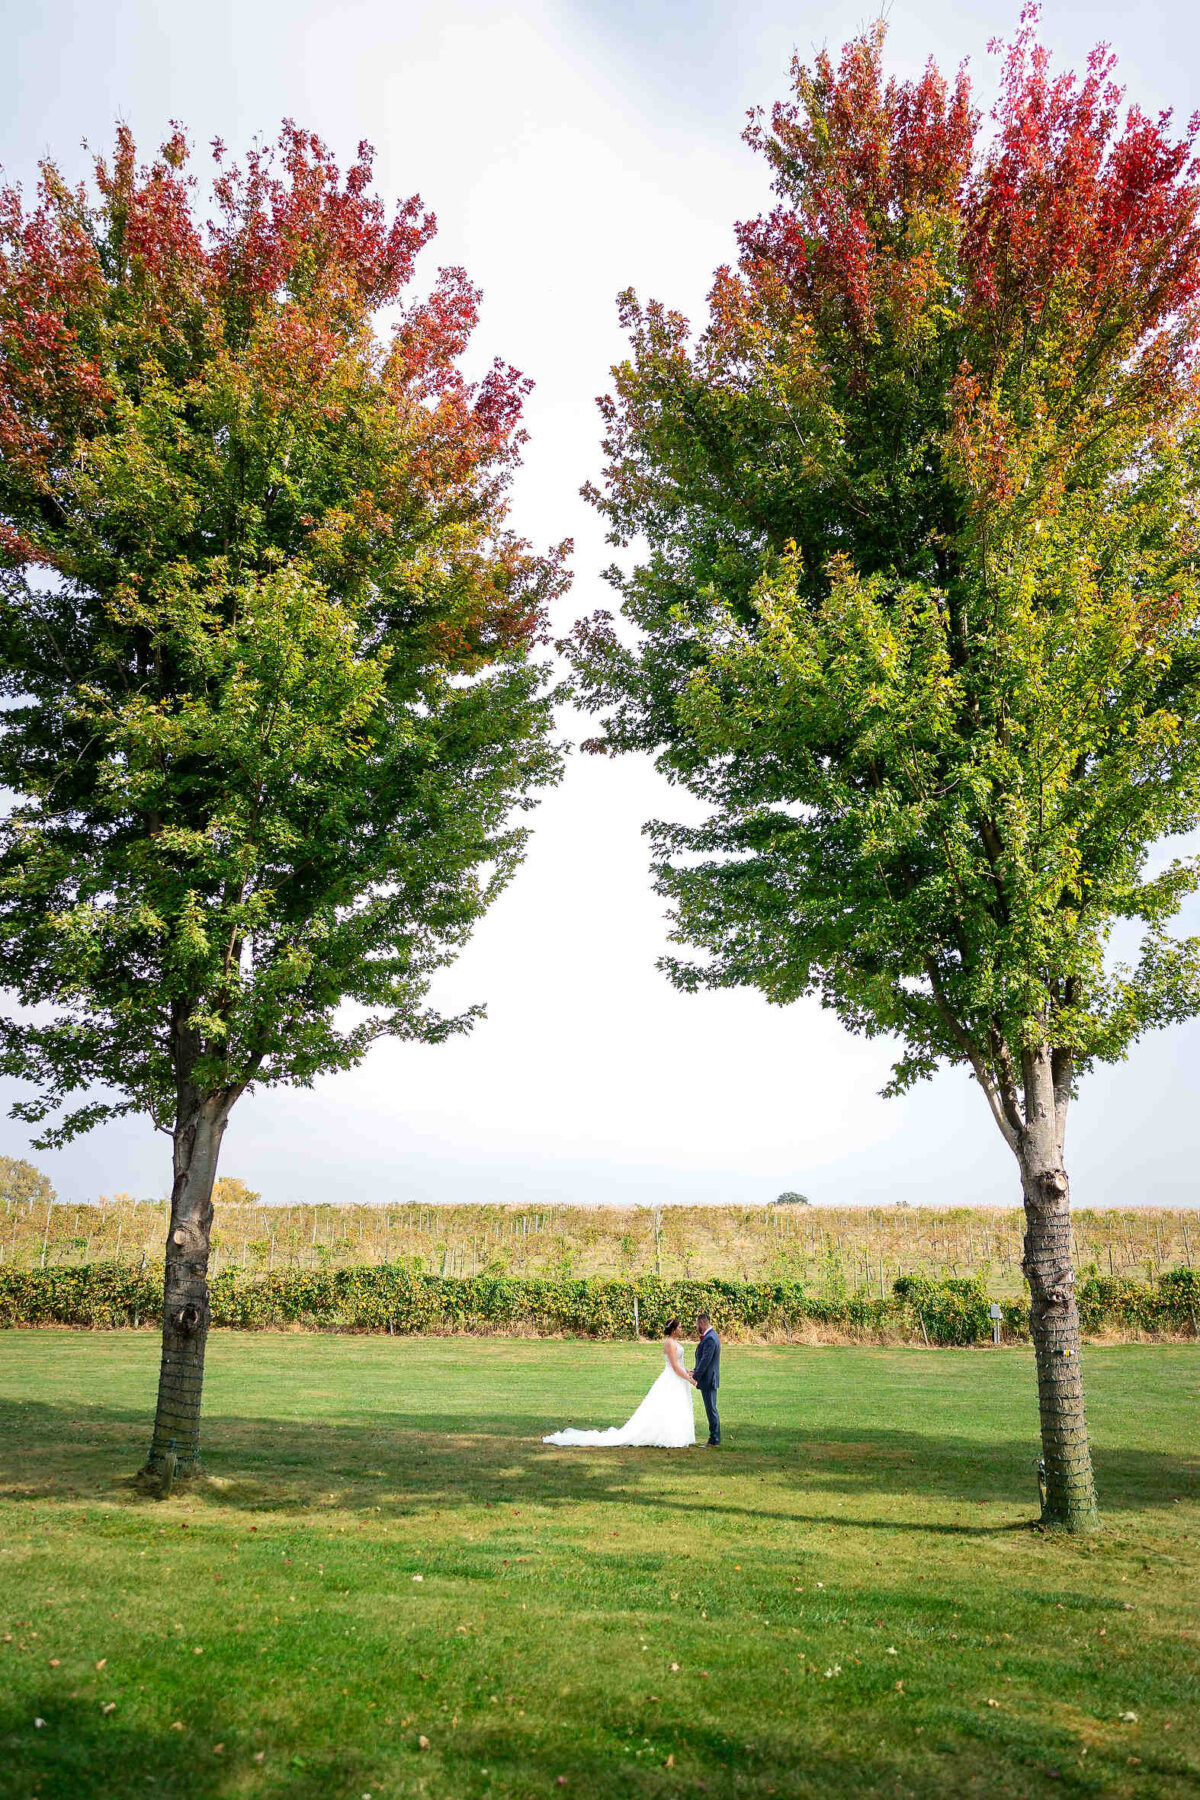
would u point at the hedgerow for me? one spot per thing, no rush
(392, 1298)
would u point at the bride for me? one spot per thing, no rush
(664, 1418)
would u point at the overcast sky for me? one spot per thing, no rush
(569, 151)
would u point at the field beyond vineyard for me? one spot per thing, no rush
(856, 1249)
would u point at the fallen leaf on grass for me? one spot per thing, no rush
(178, 1725)
(102, 1662)
(422, 1743)
(260, 1756)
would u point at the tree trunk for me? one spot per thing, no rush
(175, 1446)
(1068, 1489)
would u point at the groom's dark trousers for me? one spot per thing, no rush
(709, 1397)
(707, 1373)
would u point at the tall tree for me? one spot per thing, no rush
(269, 649)
(918, 616)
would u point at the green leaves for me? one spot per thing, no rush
(275, 697)
(390, 1299)
(919, 614)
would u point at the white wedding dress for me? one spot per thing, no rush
(664, 1419)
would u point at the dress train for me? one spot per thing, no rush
(664, 1419)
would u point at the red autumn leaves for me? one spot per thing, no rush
(1053, 249)
(273, 300)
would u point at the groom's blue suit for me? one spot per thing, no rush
(707, 1373)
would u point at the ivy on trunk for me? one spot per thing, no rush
(269, 652)
(919, 615)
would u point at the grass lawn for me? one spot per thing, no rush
(390, 1587)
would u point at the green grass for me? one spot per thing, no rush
(846, 1599)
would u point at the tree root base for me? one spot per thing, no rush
(1076, 1525)
(159, 1483)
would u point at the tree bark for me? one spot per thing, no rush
(1068, 1487)
(175, 1446)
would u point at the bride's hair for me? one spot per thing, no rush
(672, 1328)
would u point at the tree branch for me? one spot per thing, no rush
(1007, 1125)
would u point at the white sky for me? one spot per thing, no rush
(569, 151)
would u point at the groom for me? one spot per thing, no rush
(706, 1373)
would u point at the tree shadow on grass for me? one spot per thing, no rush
(79, 1754)
(407, 1464)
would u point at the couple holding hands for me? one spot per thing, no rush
(666, 1419)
